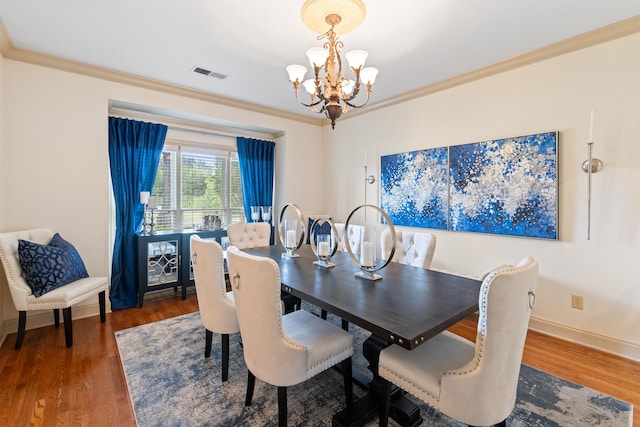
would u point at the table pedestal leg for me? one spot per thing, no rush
(402, 410)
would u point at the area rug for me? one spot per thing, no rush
(171, 383)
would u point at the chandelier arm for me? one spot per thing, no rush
(312, 104)
(361, 105)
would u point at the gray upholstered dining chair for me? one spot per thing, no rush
(282, 350)
(216, 305)
(473, 383)
(412, 248)
(62, 297)
(254, 235)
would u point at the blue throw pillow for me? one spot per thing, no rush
(47, 267)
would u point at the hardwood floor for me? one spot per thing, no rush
(46, 384)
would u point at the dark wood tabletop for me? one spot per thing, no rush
(407, 306)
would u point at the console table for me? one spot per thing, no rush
(164, 260)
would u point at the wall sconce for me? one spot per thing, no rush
(590, 166)
(368, 179)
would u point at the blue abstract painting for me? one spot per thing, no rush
(414, 188)
(506, 186)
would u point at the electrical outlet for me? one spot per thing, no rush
(577, 301)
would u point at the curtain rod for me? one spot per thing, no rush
(191, 125)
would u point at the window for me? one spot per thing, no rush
(194, 185)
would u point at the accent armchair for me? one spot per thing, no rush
(472, 383)
(282, 350)
(217, 307)
(63, 297)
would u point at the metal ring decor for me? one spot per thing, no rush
(291, 251)
(368, 272)
(323, 262)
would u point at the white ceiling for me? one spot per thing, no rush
(414, 43)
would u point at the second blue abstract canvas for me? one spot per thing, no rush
(505, 186)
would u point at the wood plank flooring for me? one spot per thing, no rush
(46, 384)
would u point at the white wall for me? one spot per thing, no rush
(55, 156)
(4, 290)
(556, 94)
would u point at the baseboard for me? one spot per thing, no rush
(588, 339)
(41, 318)
(3, 332)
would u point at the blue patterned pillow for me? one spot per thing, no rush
(47, 267)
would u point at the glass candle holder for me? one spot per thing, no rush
(324, 244)
(255, 213)
(291, 229)
(367, 262)
(266, 213)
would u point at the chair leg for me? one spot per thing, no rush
(22, 324)
(282, 406)
(251, 383)
(298, 304)
(68, 328)
(56, 317)
(225, 357)
(103, 307)
(208, 340)
(345, 325)
(323, 314)
(347, 372)
(386, 402)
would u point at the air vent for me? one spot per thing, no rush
(209, 73)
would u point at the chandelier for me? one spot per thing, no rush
(330, 91)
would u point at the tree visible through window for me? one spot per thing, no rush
(194, 186)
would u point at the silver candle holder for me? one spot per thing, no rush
(324, 245)
(368, 263)
(291, 231)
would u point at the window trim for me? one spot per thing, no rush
(178, 147)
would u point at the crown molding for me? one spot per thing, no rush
(601, 35)
(8, 51)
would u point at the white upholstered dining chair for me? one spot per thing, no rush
(63, 297)
(216, 305)
(412, 248)
(254, 235)
(249, 234)
(354, 234)
(473, 383)
(282, 350)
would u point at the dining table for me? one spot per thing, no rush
(406, 307)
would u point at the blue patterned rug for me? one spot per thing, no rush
(172, 384)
